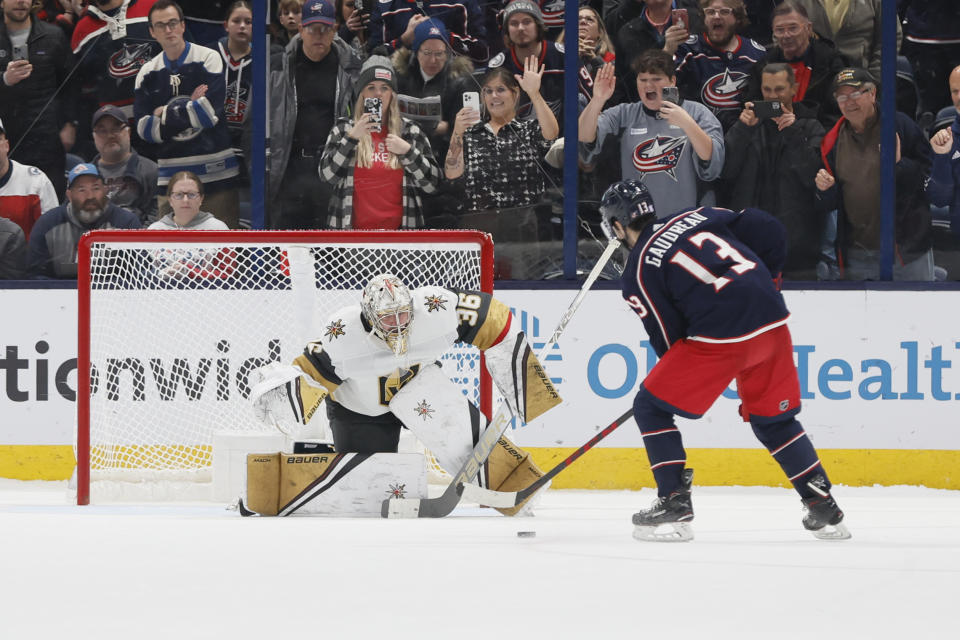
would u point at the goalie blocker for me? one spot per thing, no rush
(350, 368)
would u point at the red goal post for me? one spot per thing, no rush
(172, 322)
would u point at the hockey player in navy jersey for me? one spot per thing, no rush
(704, 283)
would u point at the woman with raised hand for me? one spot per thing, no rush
(499, 163)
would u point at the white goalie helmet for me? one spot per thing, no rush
(388, 307)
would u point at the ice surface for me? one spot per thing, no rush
(191, 571)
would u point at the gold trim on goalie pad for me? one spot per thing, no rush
(263, 483)
(307, 367)
(510, 468)
(540, 395)
(494, 321)
(331, 484)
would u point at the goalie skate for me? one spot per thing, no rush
(822, 517)
(668, 519)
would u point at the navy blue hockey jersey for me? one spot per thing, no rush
(705, 274)
(715, 78)
(192, 134)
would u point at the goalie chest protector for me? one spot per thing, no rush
(370, 371)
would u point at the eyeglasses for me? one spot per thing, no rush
(792, 30)
(318, 29)
(852, 95)
(433, 54)
(723, 11)
(185, 195)
(103, 131)
(487, 91)
(169, 25)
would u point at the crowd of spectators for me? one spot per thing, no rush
(387, 114)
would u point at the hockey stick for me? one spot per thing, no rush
(443, 504)
(507, 499)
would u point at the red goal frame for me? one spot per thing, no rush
(483, 240)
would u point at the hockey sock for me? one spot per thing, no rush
(789, 445)
(663, 442)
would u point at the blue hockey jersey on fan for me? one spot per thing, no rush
(715, 78)
(110, 48)
(192, 134)
(705, 275)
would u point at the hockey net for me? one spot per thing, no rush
(172, 324)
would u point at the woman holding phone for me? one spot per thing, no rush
(499, 163)
(378, 162)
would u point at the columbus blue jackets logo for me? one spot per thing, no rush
(127, 60)
(722, 91)
(335, 329)
(659, 154)
(236, 102)
(435, 303)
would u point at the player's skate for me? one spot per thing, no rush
(822, 517)
(668, 519)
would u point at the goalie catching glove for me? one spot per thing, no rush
(283, 396)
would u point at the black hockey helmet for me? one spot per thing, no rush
(625, 202)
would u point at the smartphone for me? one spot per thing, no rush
(764, 109)
(672, 94)
(471, 99)
(362, 7)
(374, 106)
(680, 18)
(20, 52)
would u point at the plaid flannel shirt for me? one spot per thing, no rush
(420, 173)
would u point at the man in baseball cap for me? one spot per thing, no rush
(851, 77)
(321, 11)
(850, 184)
(52, 249)
(129, 178)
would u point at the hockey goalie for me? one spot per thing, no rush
(377, 367)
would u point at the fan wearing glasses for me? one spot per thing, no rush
(186, 197)
(849, 184)
(179, 106)
(815, 61)
(714, 66)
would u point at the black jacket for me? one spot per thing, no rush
(912, 222)
(824, 62)
(632, 35)
(774, 171)
(52, 60)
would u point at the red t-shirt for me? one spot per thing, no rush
(378, 191)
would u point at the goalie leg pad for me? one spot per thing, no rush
(520, 377)
(331, 484)
(509, 468)
(438, 414)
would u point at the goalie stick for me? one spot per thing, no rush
(507, 499)
(443, 504)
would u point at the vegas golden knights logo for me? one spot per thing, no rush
(390, 385)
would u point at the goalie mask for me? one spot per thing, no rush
(388, 307)
(625, 202)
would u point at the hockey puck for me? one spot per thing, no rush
(526, 534)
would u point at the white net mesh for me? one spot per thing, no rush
(176, 326)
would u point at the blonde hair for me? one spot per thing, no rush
(364, 156)
(604, 43)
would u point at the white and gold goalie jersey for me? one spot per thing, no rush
(362, 373)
